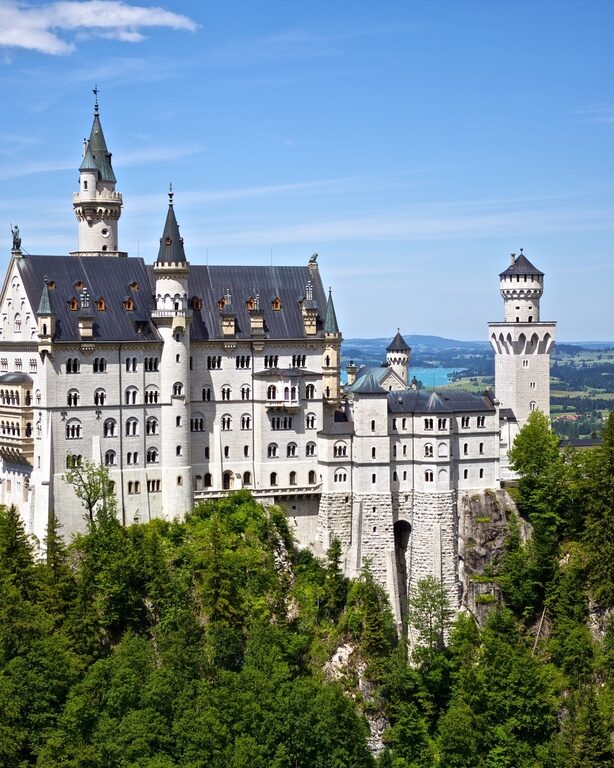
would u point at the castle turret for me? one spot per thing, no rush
(45, 321)
(172, 317)
(97, 205)
(398, 354)
(522, 342)
(331, 368)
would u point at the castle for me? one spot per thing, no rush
(187, 381)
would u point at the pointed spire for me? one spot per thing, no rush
(171, 243)
(398, 344)
(98, 146)
(88, 163)
(330, 322)
(44, 305)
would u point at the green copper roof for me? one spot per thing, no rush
(330, 323)
(171, 243)
(88, 163)
(44, 305)
(100, 153)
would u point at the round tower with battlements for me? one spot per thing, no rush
(398, 354)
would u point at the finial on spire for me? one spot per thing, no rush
(95, 92)
(521, 250)
(170, 193)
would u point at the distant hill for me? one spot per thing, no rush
(417, 342)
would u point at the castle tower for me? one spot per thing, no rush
(398, 353)
(331, 367)
(172, 317)
(522, 342)
(97, 205)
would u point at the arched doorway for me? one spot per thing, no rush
(402, 533)
(227, 480)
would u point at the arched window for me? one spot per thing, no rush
(73, 460)
(151, 426)
(271, 451)
(73, 365)
(110, 459)
(197, 423)
(271, 392)
(132, 457)
(481, 447)
(373, 452)
(178, 450)
(442, 423)
(340, 449)
(73, 398)
(152, 394)
(100, 397)
(226, 423)
(17, 323)
(310, 391)
(152, 455)
(465, 449)
(428, 450)
(130, 396)
(442, 476)
(292, 478)
(227, 480)
(465, 474)
(428, 424)
(428, 476)
(310, 449)
(226, 393)
(109, 428)
(291, 450)
(341, 475)
(246, 421)
(481, 474)
(245, 392)
(310, 421)
(312, 477)
(206, 393)
(177, 389)
(74, 430)
(442, 450)
(373, 425)
(532, 405)
(99, 365)
(208, 480)
(273, 479)
(247, 478)
(132, 427)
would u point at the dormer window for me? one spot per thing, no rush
(79, 285)
(129, 305)
(276, 303)
(51, 285)
(221, 303)
(134, 286)
(101, 305)
(73, 304)
(168, 241)
(250, 303)
(197, 303)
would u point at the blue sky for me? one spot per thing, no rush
(412, 145)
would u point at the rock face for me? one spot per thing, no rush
(482, 531)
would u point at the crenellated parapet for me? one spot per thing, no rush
(518, 340)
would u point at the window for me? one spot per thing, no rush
(525, 363)
(291, 450)
(428, 424)
(532, 385)
(151, 364)
(214, 362)
(179, 480)
(177, 421)
(247, 478)
(442, 423)
(246, 451)
(299, 361)
(226, 393)
(177, 389)
(373, 425)
(271, 361)
(153, 486)
(73, 460)
(74, 430)
(226, 423)
(131, 365)
(110, 459)
(372, 453)
(312, 477)
(132, 426)
(465, 422)
(73, 365)
(132, 457)
(246, 421)
(404, 450)
(197, 423)
(339, 449)
(271, 451)
(532, 405)
(134, 487)
(243, 361)
(481, 421)
(72, 398)
(245, 392)
(373, 478)
(310, 449)
(99, 365)
(100, 397)
(428, 450)
(281, 422)
(152, 395)
(292, 478)
(151, 426)
(465, 474)
(310, 421)
(178, 450)
(394, 423)
(152, 455)
(226, 452)
(109, 428)
(481, 474)
(428, 476)
(310, 391)
(481, 447)
(465, 449)
(442, 450)
(206, 394)
(340, 475)
(271, 392)
(33, 365)
(273, 479)
(130, 396)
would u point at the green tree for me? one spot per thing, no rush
(430, 616)
(93, 487)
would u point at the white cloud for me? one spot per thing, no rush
(38, 27)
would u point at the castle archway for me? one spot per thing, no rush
(402, 534)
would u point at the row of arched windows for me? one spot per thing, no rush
(291, 450)
(12, 397)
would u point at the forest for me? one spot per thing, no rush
(212, 642)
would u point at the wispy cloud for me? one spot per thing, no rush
(45, 28)
(602, 114)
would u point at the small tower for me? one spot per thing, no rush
(398, 354)
(97, 205)
(522, 342)
(331, 364)
(45, 322)
(172, 317)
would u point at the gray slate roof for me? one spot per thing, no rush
(445, 401)
(330, 322)
(100, 153)
(171, 243)
(110, 277)
(15, 378)
(367, 383)
(398, 344)
(521, 266)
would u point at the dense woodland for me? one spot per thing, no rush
(208, 643)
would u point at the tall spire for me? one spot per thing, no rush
(330, 322)
(98, 145)
(171, 243)
(44, 305)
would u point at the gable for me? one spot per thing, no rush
(17, 317)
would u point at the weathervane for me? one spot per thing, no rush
(95, 92)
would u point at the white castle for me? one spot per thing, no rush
(187, 381)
